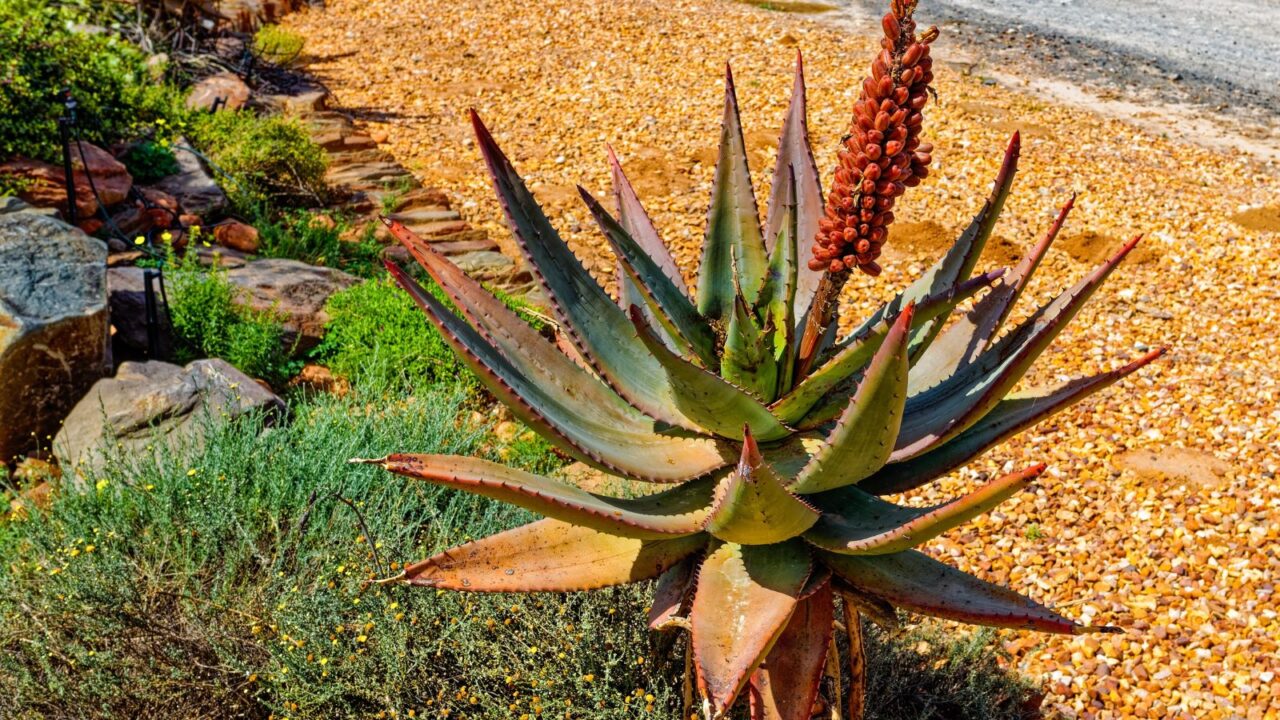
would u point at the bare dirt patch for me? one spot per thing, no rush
(1259, 219)
(1091, 248)
(1178, 464)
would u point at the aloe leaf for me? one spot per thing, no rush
(1012, 415)
(665, 301)
(596, 325)
(795, 160)
(951, 407)
(913, 581)
(855, 522)
(863, 439)
(752, 507)
(959, 261)
(734, 248)
(683, 510)
(747, 360)
(856, 351)
(745, 596)
(966, 337)
(786, 684)
(706, 398)
(672, 592)
(598, 434)
(632, 216)
(778, 296)
(551, 556)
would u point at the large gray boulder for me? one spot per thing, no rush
(294, 290)
(53, 323)
(152, 403)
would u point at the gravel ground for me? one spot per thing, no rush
(1159, 513)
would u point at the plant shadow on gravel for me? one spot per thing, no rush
(227, 580)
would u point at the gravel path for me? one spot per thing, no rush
(1159, 512)
(1171, 57)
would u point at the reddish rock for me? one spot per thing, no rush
(237, 236)
(48, 183)
(319, 379)
(226, 85)
(159, 211)
(90, 226)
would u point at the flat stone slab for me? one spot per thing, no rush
(155, 403)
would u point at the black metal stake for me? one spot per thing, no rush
(149, 278)
(64, 129)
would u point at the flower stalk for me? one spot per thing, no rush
(880, 157)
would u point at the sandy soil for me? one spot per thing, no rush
(1120, 531)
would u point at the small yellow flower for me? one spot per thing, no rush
(361, 638)
(139, 240)
(166, 236)
(102, 485)
(589, 677)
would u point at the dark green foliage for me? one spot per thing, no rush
(207, 322)
(302, 235)
(271, 161)
(376, 333)
(40, 55)
(149, 161)
(229, 582)
(927, 673)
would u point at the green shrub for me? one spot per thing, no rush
(207, 322)
(228, 581)
(928, 673)
(301, 235)
(272, 160)
(377, 333)
(149, 161)
(40, 55)
(277, 45)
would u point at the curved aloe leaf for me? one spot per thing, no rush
(638, 225)
(778, 296)
(966, 337)
(665, 301)
(753, 508)
(863, 439)
(796, 162)
(856, 351)
(672, 592)
(705, 397)
(550, 556)
(947, 409)
(786, 684)
(1015, 413)
(680, 511)
(959, 261)
(745, 596)
(597, 326)
(913, 581)
(610, 441)
(855, 522)
(734, 248)
(748, 361)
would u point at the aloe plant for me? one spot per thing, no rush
(765, 512)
